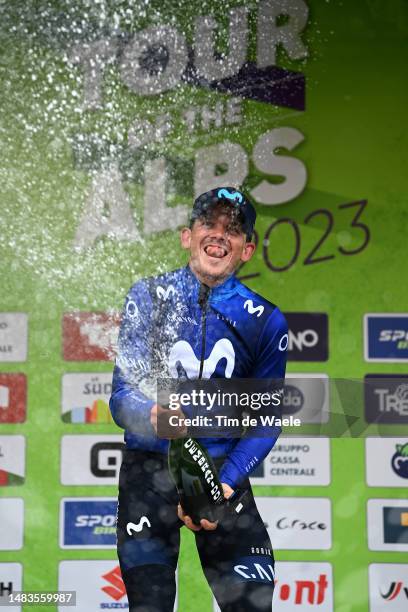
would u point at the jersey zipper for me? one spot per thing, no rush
(203, 296)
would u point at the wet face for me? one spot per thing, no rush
(217, 246)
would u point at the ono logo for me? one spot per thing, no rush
(106, 458)
(182, 355)
(308, 336)
(138, 527)
(249, 306)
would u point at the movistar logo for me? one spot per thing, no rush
(249, 306)
(165, 293)
(183, 354)
(137, 527)
(235, 196)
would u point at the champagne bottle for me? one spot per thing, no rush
(195, 475)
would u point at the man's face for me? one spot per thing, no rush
(217, 246)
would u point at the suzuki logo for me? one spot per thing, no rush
(249, 306)
(138, 526)
(164, 294)
(117, 589)
(182, 353)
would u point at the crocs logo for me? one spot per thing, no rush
(236, 196)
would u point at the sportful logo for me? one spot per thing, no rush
(164, 294)
(236, 196)
(249, 306)
(394, 591)
(138, 527)
(182, 353)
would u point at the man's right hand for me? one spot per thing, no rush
(159, 418)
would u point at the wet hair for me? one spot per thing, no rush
(236, 216)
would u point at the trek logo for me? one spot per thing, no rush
(395, 589)
(386, 337)
(236, 196)
(182, 357)
(116, 589)
(386, 398)
(249, 306)
(138, 527)
(164, 294)
(308, 336)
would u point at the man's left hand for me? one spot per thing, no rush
(204, 524)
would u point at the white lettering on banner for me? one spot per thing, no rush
(107, 211)
(306, 338)
(93, 57)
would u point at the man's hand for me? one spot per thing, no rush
(161, 415)
(204, 524)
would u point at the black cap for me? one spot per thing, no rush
(232, 197)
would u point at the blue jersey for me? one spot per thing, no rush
(161, 335)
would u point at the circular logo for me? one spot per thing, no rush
(293, 400)
(399, 461)
(283, 342)
(132, 310)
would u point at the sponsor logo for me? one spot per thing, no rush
(308, 336)
(284, 342)
(388, 586)
(164, 294)
(297, 523)
(395, 525)
(399, 460)
(13, 398)
(89, 336)
(386, 398)
(387, 462)
(182, 358)
(386, 337)
(132, 310)
(85, 398)
(395, 589)
(88, 522)
(12, 523)
(138, 527)
(235, 196)
(296, 461)
(91, 460)
(116, 588)
(10, 581)
(12, 460)
(13, 336)
(249, 306)
(308, 396)
(260, 571)
(387, 524)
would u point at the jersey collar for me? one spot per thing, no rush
(222, 292)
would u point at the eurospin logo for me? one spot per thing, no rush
(386, 337)
(88, 522)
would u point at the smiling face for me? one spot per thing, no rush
(217, 245)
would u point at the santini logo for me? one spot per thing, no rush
(183, 354)
(249, 306)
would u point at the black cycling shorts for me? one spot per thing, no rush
(237, 558)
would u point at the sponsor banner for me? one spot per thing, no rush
(388, 587)
(308, 336)
(89, 336)
(13, 397)
(13, 336)
(88, 522)
(85, 397)
(98, 585)
(12, 460)
(297, 523)
(386, 337)
(11, 580)
(387, 462)
(301, 586)
(294, 460)
(307, 397)
(11, 523)
(386, 398)
(91, 460)
(387, 524)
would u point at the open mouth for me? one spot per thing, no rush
(215, 250)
